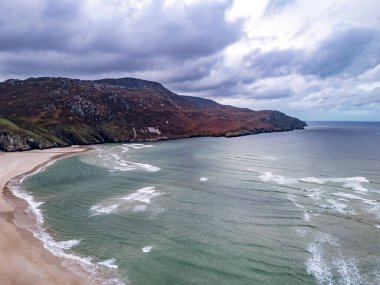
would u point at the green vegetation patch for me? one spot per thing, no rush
(8, 125)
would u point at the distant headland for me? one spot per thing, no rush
(47, 112)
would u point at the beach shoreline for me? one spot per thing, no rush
(24, 260)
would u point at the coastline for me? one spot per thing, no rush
(24, 260)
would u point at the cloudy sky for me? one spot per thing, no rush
(314, 59)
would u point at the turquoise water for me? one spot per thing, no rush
(299, 207)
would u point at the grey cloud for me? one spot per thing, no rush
(178, 33)
(347, 51)
(192, 70)
(38, 63)
(226, 87)
(274, 62)
(273, 94)
(59, 10)
(57, 37)
(47, 25)
(351, 49)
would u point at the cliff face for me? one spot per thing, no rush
(51, 112)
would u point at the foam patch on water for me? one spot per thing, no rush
(318, 266)
(142, 195)
(139, 208)
(348, 271)
(116, 160)
(203, 179)
(155, 211)
(301, 232)
(110, 263)
(136, 201)
(147, 249)
(126, 147)
(376, 226)
(374, 209)
(105, 209)
(279, 179)
(68, 244)
(293, 199)
(306, 217)
(136, 145)
(354, 183)
(331, 270)
(340, 205)
(337, 206)
(355, 197)
(58, 248)
(316, 193)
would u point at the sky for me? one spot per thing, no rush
(313, 59)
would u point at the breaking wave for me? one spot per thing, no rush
(147, 249)
(57, 248)
(110, 263)
(136, 201)
(354, 183)
(325, 267)
(115, 159)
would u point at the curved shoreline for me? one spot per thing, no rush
(24, 260)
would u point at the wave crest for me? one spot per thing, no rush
(136, 201)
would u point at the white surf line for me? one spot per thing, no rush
(110, 263)
(57, 248)
(136, 201)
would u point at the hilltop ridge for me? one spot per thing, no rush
(47, 112)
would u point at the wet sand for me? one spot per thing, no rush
(23, 259)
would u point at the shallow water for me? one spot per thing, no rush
(299, 207)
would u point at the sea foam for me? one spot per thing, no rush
(317, 265)
(68, 244)
(105, 209)
(115, 159)
(147, 249)
(279, 179)
(136, 201)
(57, 248)
(354, 183)
(142, 195)
(355, 197)
(110, 263)
(333, 268)
(316, 193)
(126, 147)
(337, 206)
(348, 271)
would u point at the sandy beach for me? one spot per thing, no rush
(23, 259)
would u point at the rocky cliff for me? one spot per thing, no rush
(50, 112)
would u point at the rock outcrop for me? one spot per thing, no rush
(51, 112)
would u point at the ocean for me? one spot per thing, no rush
(300, 207)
